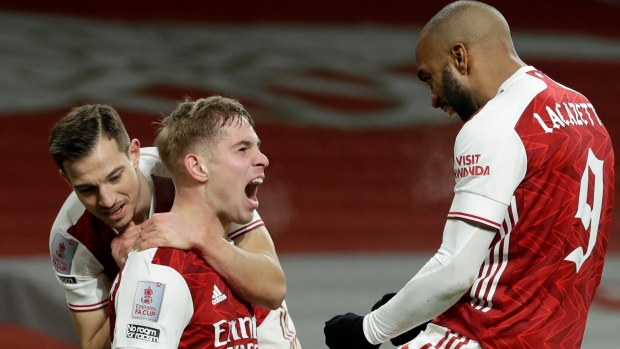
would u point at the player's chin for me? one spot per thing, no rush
(119, 223)
(244, 216)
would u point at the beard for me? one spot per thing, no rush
(456, 97)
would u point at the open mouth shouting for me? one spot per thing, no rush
(252, 189)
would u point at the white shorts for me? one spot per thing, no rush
(440, 338)
(277, 331)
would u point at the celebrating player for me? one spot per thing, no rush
(525, 241)
(116, 186)
(212, 152)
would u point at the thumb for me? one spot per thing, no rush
(128, 227)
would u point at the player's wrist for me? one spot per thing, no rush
(200, 243)
(208, 245)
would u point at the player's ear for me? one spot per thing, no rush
(134, 152)
(196, 167)
(460, 59)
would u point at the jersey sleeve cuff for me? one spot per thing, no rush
(477, 209)
(88, 307)
(246, 228)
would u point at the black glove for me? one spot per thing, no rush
(386, 297)
(407, 336)
(346, 332)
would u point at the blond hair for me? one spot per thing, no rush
(196, 124)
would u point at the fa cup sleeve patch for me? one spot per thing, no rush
(147, 300)
(63, 250)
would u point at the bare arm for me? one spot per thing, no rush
(250, 267)
(93, 328)
(257, 276)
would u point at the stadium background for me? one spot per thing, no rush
(361, 174)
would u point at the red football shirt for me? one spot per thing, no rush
(540, 150)
(168, 298)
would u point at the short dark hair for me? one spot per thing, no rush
(77, 134)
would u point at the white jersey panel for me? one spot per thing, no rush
(77, 270)
(162, 322)
(150, 164)
(489, 157)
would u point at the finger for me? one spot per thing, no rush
(137, 245)
(149, 228)
(129, 229)
(156, 241)
(116, 254)
(133, 231)
(144, 244)
(155, 219)
(147, 235)
(148, 223)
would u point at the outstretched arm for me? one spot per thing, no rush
(250, 266)
(437, 286)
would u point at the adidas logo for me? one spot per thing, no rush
(218, 296)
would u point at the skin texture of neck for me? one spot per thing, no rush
(194, 208)
(144, 199)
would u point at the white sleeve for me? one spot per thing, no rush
(77, 270)
(86, 286)
(276, 330)
(437, 286)
(153, 304)
(490, 162)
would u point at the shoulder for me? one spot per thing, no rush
(147, 288)
(195, 271)
(75, 243)
(495, 122)
(154, 262)
(75, 224)
(182, 261)
(167, 266)
(70, 213)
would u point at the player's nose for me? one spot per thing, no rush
(106, 197)
(261, 160)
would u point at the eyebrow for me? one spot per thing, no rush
(246, 143)
(112, 173)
